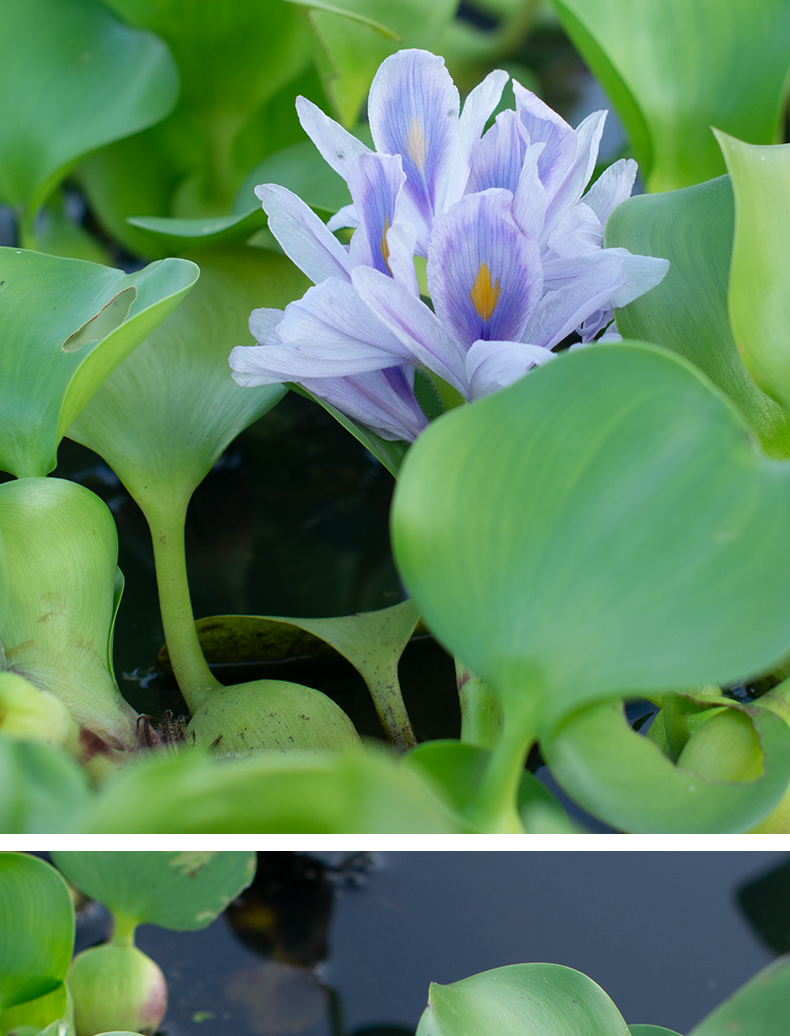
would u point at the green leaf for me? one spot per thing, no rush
(651, 1030)
(758, 1008)
(278, 793)
(525, 1000)
(624, 779)
(372, 642)
(352, 52)
(298, 167)
(38, 1013)
(614, 489)
(61, 549)
(42, 788)
(72, 78)
(180, 235)
(687, 312)
(674, 68)
(165, 415)
(759, 306)
(319, 5)
(65, 326)
(233, 56)
(36, 929)
(182, 891)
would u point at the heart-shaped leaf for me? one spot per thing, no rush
(66, 324)
(603, 527)
(668, 67)
(687, 312)
(759, 304)
(525, 1000)
(759, 1008)
(36, 928)
(333, 793)
(72, 78)
(182, 891)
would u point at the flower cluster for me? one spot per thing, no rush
(515, 259)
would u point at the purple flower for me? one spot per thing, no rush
(514, 252)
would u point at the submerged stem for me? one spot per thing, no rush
(481, 713)
(186, 655)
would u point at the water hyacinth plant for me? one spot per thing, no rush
(44, 991)
(598, 541)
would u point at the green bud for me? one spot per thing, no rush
(724, 748)
(116, 988)
(273, 714)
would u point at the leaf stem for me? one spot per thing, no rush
(186, 655)
(123, 930)
(481, 714)
(494, 807)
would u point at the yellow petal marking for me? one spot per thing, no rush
(484, 294)
(385, 248)
(416, 144)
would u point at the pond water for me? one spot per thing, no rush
(330, 944)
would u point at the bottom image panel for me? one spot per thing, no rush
(395, 943)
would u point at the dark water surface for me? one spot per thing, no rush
(662, 932)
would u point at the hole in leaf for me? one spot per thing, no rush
(112, 316)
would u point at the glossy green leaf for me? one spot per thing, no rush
(353, 52)
(278, 793)
(612, 488)
(72, 78)
(456, 771)
(65, 325)
(651, 1030)
(624, 779)
(39, 1013)
(372, 642)
(759, 303)
(181, 235)
(42, 789)
(758, 1008)
(581, 508)
(36, 929)
(233, 56)
(182, 891)
(167, 413)
(673, 68)
(687, 312)
(525, 1000)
